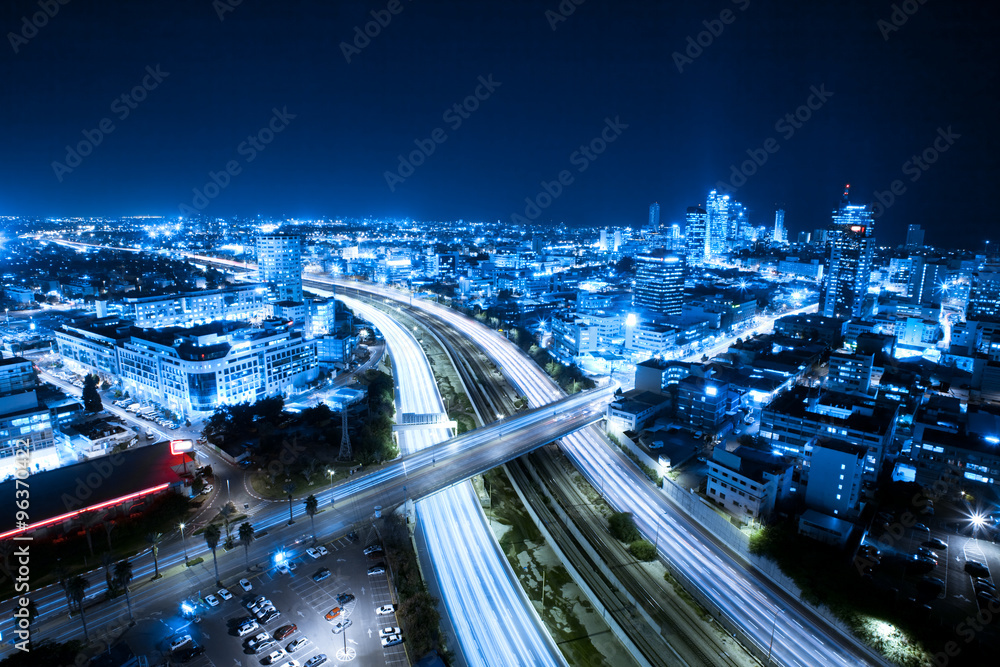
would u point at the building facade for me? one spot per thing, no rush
(851, 244)
(659, 284)
(238, 302)
(279, 263)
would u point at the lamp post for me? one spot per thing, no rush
(184, 545)
(330, 473)
(656, 545)
(774, 624)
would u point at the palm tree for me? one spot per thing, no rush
(288, 489)
(89, 521)
(228, 510)
(154, 540)
(77, 587)
(107, 561)
(212, 535)
(123, 576)
(247, 537)
(312, 505)
(109, 525)
(62, 574)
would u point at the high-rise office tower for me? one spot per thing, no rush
(984, 295)
(279, 262)
(674, 237)
(926, 285)
(718, 223)
(914, 236)
(779, 226)
(739, 223)
(618, 240)
(659, 282)
(604, 240)
(850, 241)
(654, 217)
(696, 234)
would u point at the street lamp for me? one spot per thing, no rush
(774, 624)
(656, 545)
(184, 545)
(330, 473)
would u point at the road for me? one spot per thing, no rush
(492, 617)
(743, 596)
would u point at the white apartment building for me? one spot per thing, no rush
(238, 302)
(748, 482)
(192, 371)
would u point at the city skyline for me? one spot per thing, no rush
(259, 110)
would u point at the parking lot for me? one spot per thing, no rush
(304, 602)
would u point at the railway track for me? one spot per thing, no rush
(681, 637)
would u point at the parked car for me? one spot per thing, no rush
(385, 632)
(207, 490)
(212, 600)
(321, 574)
(376, 569)
(273, 657)
(316, 660)
(246, 585)
(225, 594)
(392, 640)
(386, 609)
(189, 652)
(323, 551)
(342, 625)
(284, 631)
(296, 645)
(375, 548)
(266, 645)
(333, 613)
(977, 569)
(258, 638)
(312, 553)
(179, 642)
(247, 628)
(935, 543)
(344, 598)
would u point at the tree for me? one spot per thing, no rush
(91, 397)
(89, 521)
(312, 505)
(247, 537)
(212, 535)
(123, 576)
(109, 525)
(108, 561)
(197, 485)
(642, 550)
(622, 527)
(289, 488)
(228, 510)
(154, 539)
(77, 587)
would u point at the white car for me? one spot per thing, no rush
(256, 600)
(343, 625)
(283, 569)
(247, 628)
(212, 600)
(179, 642)
(312, 553)
(392, 640)
(323, 551)
(273, 657)
(245, 585)
(386, 609)
(225, 594)
(258, 638)
(292, 663)
(387, 632)
(207, 490)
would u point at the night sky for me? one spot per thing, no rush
(608, 67)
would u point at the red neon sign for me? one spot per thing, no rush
(70, 515)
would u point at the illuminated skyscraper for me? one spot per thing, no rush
(780, 234)
(696, 234)
(850, 241)
(654, 217)
(718, 223)
(659, 283)
(279, 262)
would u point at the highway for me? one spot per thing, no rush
(437, 469)
(493, 619)
(746, 598)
